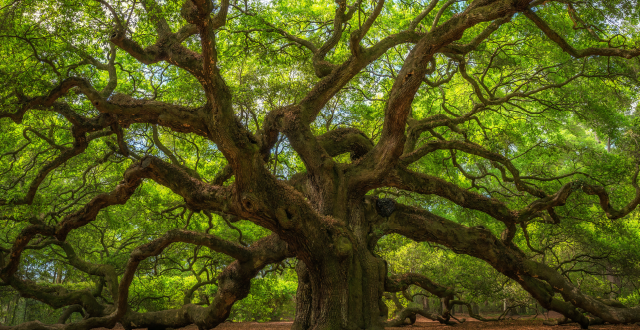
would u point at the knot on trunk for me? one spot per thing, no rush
(251, 203)
(286, 217)
(385, 207)
(195, 12)
(343, 246)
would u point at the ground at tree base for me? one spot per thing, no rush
(423, 323)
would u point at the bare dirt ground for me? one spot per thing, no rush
(522, 323)
(502, 325)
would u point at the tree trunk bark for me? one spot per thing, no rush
(341, 286)
(303, 315)
(342, 294)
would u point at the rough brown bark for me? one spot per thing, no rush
(322, 217)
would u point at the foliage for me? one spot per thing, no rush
(200, 155)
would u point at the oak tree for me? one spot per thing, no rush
(331, 126)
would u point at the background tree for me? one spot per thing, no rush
(225, 140)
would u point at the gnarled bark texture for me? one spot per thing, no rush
(325, 216)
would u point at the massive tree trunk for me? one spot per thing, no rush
(323, 215)
(341, 285)
(343, 293)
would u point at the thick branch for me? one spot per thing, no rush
(386, 153)
(538, 279)
(233, 284)
(343, 140)
(399, 283)
(578, 53)
(197, 194)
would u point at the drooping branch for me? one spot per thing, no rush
(233, 284)
(58, 296)
(397, 283)
(197, 194)
(68, 311)
(538, 279)
(107, 272)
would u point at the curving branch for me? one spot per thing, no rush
(343, 140)
(58, 296)
(322, 67)
(233, 284)
(478, 150)
(167, 46)
(107, 272)
(197, 194)
(188, 296)
(405, 179)
(517, 94)
(126, 109)
(387, 152)
(68, 311)
(174, 160)
(418, 19)
(410, 313)
(417, 127)
(335, 77)
(80, 144)
(357, 35)
(397, 283)
(540, 280)
(605, 202)
(578, 53)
